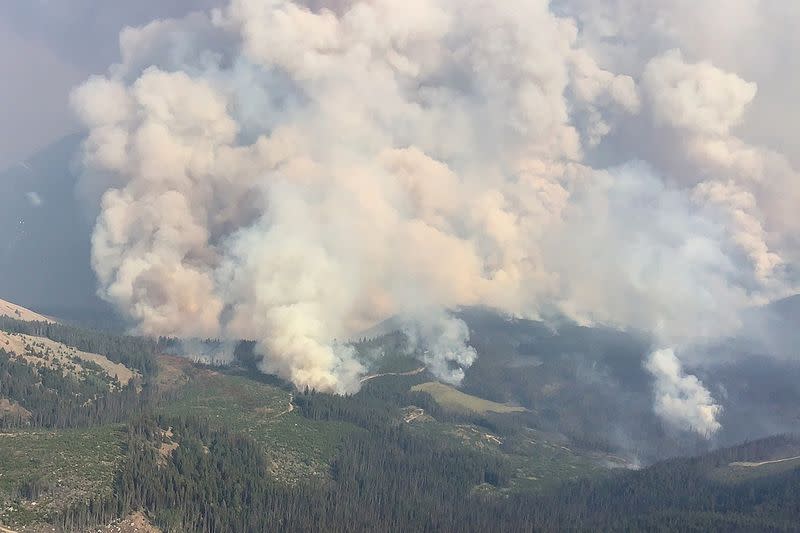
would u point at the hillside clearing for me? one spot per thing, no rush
(297, 448)
(45, 352)
(20, 313)
(453, 399)
(67, 466)
(136, 522)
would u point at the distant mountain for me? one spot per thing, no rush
(749, 487)
(787, 308)
(776, 327)
(589, 383)
(45, 237)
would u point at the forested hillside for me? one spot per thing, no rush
(393, 479)
(226, 448)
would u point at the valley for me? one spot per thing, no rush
(148, 416)
(452, 399)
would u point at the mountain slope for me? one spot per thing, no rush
(200, 448)
(18, 312)
(41, 351)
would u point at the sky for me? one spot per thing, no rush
(47, 47)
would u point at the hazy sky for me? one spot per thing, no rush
(49, 46)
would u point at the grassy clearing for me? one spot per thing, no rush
(234, 400)
(296, 447)
(542, 461)
(537, 461)
(70, 465)
(299, 448)
(455, 400)
(396, 363)
(740, 472)
(173, 372)
(41, 351)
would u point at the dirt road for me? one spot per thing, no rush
(287, 411)
(762, 463)
(410, 373)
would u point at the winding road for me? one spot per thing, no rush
(409, 373)
(762, 463)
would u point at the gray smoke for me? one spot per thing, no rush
(297, 172)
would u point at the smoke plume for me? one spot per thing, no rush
(295, 172)
(681, 399)
(443, 342)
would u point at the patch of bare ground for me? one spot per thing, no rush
(41, 351)
(172, 372)
(474, 436)
(20, 313)
(167, 446)
(412, 414)
(136, 522)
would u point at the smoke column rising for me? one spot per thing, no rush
(296, 172)
(682, 399)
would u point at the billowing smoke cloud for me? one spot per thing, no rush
(697, 97)
(294, 172)
(442, 341)
(681, 399)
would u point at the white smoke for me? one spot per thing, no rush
(34, 198)
(697, 97)
(680, 398)
(291, 173)
(442, 341)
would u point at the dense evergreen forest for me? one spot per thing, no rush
(53, 400)
(390, 480)
(195, 473)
